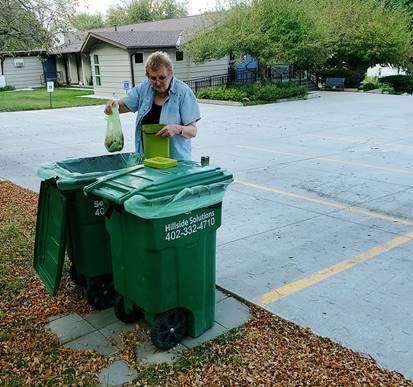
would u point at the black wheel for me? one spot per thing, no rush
(121, 314)
(169, 328)
(76, 278)
(101, 293)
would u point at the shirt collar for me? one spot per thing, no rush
(173, 86)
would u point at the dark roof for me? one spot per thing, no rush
(154, 34)
(67, 48)
(186, 23)
(135, 39)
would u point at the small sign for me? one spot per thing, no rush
(50, 87)
(126, 85)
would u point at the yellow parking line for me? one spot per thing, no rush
(312, 279)
(329, 203)
(397, 170)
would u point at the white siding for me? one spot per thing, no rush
(207, 69)
(26, 76)
(186, 69)
(114, 65)
(60, 67)
(87, 70)
(72, 68)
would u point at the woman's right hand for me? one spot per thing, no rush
(109, 105)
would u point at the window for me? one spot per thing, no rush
(179, 56)
(97, 70)
(139, 57)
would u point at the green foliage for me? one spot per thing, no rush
(33, 24)
(400, 83)
(138, 11)
(374, 84)
(274, 31)
(250, 93)
(345, 35)
(7, 88)
(84, 21)
(362, 33)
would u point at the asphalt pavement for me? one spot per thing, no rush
(318, 226)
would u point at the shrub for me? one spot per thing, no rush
(400, 83)
(253, 92)
(7, 88)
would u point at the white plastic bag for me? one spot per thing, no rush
(114, 135)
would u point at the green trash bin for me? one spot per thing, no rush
(162, 225)
(69, 221)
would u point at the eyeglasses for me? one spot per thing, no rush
(160, 78)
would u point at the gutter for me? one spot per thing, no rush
(132, 73)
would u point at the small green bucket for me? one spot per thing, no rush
(154, 146)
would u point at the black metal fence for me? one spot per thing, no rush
(276, 74)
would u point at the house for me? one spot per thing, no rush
(22, 69)
(118, 54)
(111, 59)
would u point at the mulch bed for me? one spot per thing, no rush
(267, 351)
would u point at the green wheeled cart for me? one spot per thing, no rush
(162, 225)
(69, 221)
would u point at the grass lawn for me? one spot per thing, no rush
(13, 101)
(267, 351)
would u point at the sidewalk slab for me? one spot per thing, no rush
(70, 327)
(93, 340)
(116, 374)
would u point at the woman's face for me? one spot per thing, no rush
(160, 79)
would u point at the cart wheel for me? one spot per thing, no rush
(169, 328)
(100, 293)
(76, 278)
(121, 314)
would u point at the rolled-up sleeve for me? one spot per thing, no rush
(189, 109)
(132, 99)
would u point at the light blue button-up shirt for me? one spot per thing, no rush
(180, 108)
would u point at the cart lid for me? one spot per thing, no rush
(155, 193)
(50, 243)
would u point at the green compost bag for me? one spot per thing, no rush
(114, 135)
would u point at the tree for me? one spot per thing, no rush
(84, 21)
(341, 35)
(273, 31)
(29, 24)
(137, 11)
(363, 33)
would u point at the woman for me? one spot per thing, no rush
(162, 99)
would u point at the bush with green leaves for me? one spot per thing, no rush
(400, 83)
(254, 92)
(7, 88)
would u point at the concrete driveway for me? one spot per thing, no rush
(318, 227)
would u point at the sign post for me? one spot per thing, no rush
(126, 86)
(50, 90)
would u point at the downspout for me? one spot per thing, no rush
(83, 69)
(132, 73)
(65, 67)
(77, 67)
(2, 64)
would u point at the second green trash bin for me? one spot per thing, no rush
(162, 225)
(68, 220)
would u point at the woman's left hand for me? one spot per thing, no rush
(169, 131)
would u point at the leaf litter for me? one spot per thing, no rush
(266, 351)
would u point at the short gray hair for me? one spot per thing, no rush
(158, 59)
